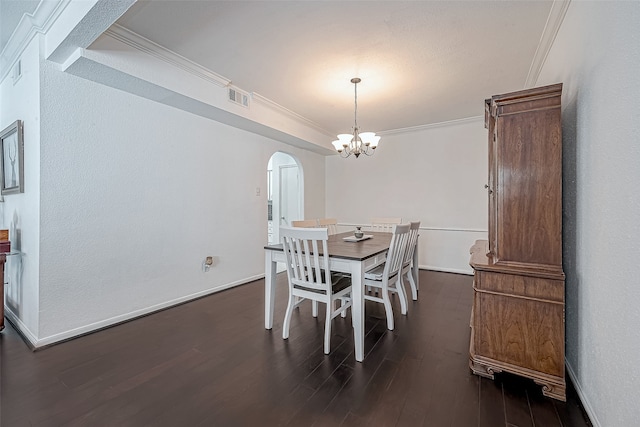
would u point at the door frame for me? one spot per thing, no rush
(275, 176)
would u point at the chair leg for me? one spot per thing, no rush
(287, 317)
(343, 301)
(388, 309)
(414, 289)
(402, 295)
(327, 328)
(314, 308)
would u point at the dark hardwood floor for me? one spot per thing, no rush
(210, 362)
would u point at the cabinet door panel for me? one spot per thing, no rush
(521, 332)
(528, 188)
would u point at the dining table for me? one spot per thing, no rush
(345, 256)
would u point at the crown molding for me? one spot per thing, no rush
(551, 28)
(142, 44)
(38, 22)
(286, 112)
(431, 126)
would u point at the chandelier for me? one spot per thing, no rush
(358, 142)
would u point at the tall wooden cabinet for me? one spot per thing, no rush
(517, 321)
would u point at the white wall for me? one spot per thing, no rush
(126, 196)
(135, 194)
(435, 175)
(20, 213)
(596, 55)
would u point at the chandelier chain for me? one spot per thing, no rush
(355, 102)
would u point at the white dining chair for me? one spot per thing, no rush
(310, 278)
(384, 224)
(386, 277)
(408, 265)
(331, 224)
(306, 223)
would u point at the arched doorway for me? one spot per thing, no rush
(285, 193)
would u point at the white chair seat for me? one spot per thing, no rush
(375, 274)
(340, 283)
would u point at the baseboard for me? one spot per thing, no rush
(36, 344)
(583, 399)
(113, 321)
(446, 270)
(21, 328)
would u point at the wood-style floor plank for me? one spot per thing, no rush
(517, 409)
(492, 410)
(210, 362)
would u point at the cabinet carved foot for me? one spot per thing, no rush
(555, 391)
(483, 370)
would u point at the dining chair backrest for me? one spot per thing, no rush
(331, 224)
(409, 269)
(384, 224)
(303, 249)
(397, 249)
(414, 228)
(306, 223)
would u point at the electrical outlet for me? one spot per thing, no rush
(207, 263)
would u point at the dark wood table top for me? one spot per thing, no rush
(361, 250)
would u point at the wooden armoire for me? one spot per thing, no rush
(517, 319)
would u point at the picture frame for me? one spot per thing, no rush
(12, 159)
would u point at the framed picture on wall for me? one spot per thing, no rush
(12, 161)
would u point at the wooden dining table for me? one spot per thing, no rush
(345, 257)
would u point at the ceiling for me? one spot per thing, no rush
(421, 62)
(11, 12)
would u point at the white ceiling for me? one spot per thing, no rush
(11, 12)
(421, 62)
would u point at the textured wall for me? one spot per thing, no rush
(596, 55)
(135, 194)
(21, 212)
(436, 175)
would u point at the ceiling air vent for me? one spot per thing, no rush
(239, 97)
